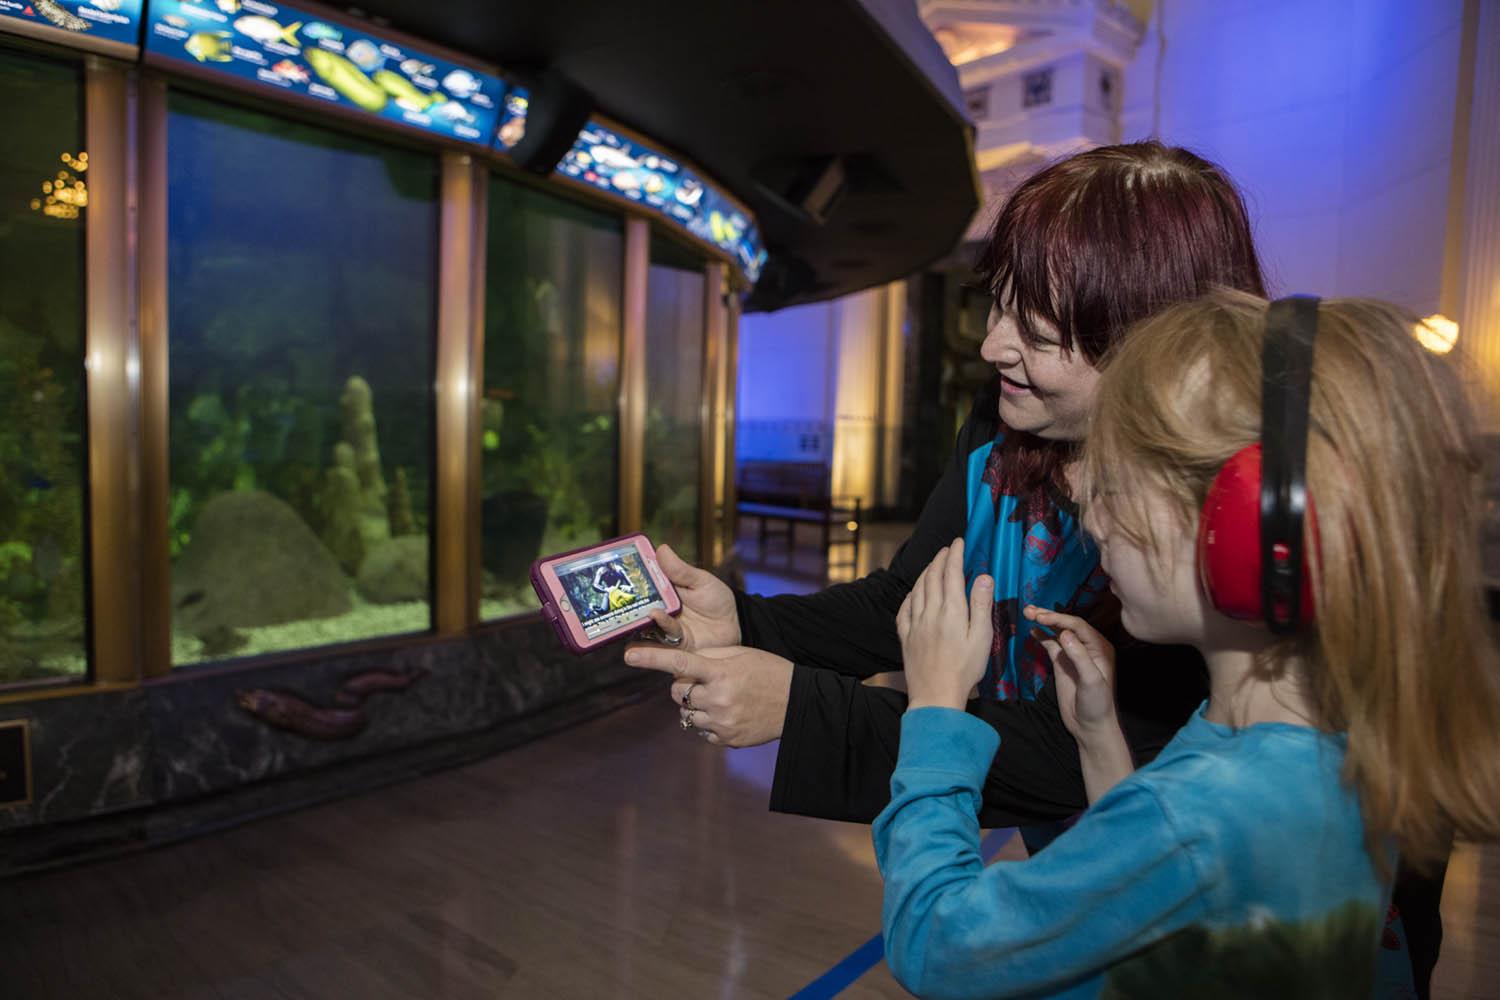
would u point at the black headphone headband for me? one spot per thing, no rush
(1286, 395)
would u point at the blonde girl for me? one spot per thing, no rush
(1254, 856)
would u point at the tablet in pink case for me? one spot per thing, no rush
(597, 595)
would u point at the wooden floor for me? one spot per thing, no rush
(621, 858)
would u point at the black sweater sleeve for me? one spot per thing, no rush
(840, 736)
(850, 628)
(840, 740)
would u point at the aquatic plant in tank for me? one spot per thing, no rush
(43, 212)
(302, 313)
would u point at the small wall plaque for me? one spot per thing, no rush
(15, 763)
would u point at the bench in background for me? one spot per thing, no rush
(792, 493)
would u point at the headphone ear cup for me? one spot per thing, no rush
(1229, 537)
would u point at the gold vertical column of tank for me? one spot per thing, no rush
(633, 374)
(731, 403)
(711, 417)
(456, 571)
(113, 368)
(156, 566)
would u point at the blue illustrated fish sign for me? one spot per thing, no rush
(611, 162)
(280, 47)
(97, 24)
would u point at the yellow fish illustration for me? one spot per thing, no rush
(209, 46)
(344, 77)
(406, 94)
(720, 228)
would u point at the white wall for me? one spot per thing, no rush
(823, 383)
(1336, 118)
(787, 366)
(858, 406)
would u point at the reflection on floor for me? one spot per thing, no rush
(621, 858)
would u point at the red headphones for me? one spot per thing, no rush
(1250, 539)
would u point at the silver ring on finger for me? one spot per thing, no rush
(667, 638)
(686, 721)
(687, 696)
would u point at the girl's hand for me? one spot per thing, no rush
(1083, 667)
(945, 634)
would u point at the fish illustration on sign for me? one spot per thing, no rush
(512, 132)
(265, 31)
(407, 95)
(608, 156)
(228, 6)
(416, 67)
(453, 111)
(365, 55)
(323, 32)
(344, 77)
(175, 21)
(60, 17)
(461, 84)
(209, 46)
(723, 230)
(288, 70)
(689, 192)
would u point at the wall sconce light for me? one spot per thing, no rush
(1437, 333)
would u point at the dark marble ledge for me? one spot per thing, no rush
(31, 850)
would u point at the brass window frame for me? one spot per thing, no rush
(112, 377)
(711, 415)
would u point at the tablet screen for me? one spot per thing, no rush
(609, 590)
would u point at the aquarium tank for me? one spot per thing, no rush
(302, 277)
(549, 413)
(43, 448)
(676, 320)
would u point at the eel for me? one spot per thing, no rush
(288, 712)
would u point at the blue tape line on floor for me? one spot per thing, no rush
(872, 952)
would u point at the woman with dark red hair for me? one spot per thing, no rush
(1079, 253)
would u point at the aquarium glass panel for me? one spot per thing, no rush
(675, 329)
(302, 276)
(551, 386)
(43, 209)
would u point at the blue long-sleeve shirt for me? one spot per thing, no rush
(1234, 865)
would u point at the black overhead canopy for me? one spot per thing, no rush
(762, 94)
